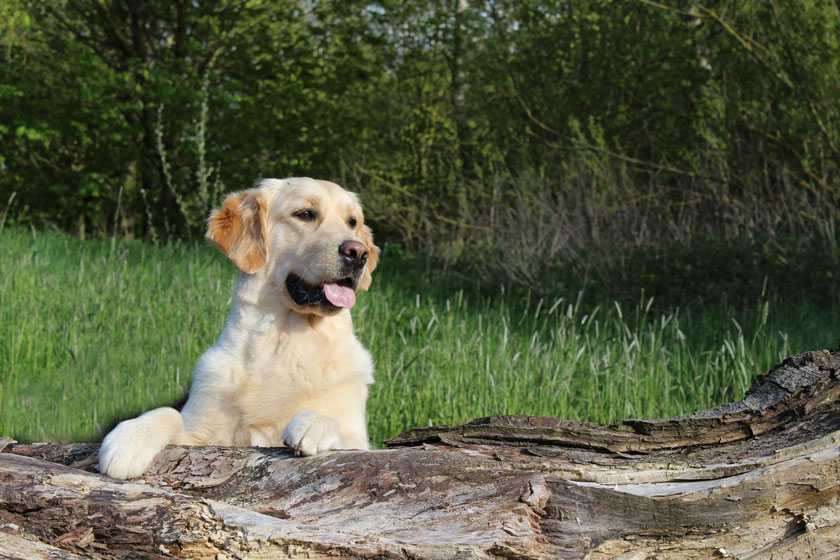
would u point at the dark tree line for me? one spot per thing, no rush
(458, 120)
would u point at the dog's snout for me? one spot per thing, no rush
(353, 253)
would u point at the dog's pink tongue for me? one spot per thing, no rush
(340, 296)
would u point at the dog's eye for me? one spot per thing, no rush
(352, 222)
(305, 215)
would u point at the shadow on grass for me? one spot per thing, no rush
(696, 275)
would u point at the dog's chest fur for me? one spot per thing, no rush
(284, 365)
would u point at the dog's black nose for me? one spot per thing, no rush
(353, 253)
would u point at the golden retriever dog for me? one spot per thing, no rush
(287, 368)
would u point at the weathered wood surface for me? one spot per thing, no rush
(755, 479)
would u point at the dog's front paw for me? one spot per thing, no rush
(129, 449)
(123, 453)
(309, 433)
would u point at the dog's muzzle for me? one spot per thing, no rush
(352, 256)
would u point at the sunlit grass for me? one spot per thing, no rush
(94, 332)
(448, 362)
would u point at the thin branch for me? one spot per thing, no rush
(411, 195)
(800, 90)
(615, 155)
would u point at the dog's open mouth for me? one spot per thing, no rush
(340, 293)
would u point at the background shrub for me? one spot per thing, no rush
(497, 134)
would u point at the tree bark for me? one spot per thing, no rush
(757, 478)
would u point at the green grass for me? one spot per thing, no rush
(97, 331)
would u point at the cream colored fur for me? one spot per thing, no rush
(280, 373)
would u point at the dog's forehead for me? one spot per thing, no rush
(314, 192)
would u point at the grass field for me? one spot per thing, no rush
(96, 331)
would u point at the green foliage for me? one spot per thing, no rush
(94, 332)
(611, 123)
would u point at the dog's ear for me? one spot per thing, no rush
(238, 228)
(373, 259)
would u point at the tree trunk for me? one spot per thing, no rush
(753, 479)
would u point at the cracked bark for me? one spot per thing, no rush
(753, 479)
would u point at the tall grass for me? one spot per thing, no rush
(448, 355)
(516, 226)
(91, 332)
(94, 332)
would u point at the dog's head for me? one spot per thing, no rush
(304, 236)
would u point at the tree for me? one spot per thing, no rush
(633, 122)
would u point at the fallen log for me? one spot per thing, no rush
(757, 478)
